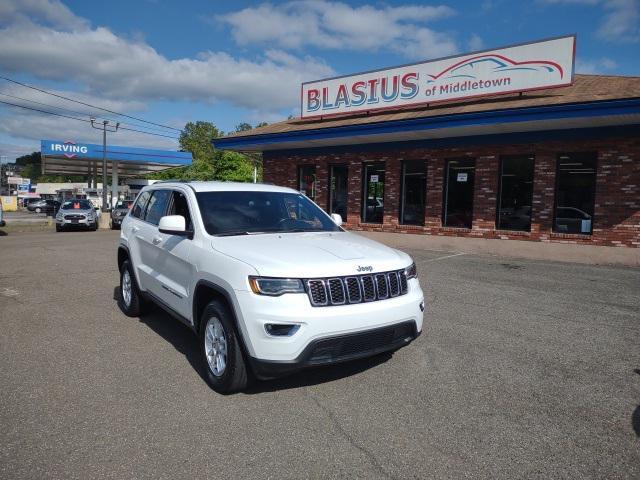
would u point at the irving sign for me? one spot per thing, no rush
(530, 66)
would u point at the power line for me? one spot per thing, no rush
(74, 111)
(81, 119)
(88, 104)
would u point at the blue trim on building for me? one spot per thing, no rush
(473, 140)
(493, 117)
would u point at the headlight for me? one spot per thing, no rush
(411, 271)
(275, 286)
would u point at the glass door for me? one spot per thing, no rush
(339, 184)
(414, 189)
(458, 198)
(373, 201)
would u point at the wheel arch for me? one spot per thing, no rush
(206, 291)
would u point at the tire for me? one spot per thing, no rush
(58, 228)
(217, 319)
(113, 227)
(136, 305)
(95, 226)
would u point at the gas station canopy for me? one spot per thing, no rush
(71, 158)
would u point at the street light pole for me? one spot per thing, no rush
(104, 129)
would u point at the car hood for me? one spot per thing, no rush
(311, 254)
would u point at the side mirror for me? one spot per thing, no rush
(337, 219)
(174, 225)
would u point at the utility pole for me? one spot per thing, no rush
(105, 128)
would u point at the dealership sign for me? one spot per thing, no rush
(519, 68)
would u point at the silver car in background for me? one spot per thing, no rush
(119, 212)
(76, 213)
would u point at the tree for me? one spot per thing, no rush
(208, 163)
(262, 124)
(243, 127)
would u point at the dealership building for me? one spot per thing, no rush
(501, 144)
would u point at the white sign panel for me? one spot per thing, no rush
(374, 179)
(530, 66)
(14, 180)
(462, 177)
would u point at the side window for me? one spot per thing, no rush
(141, 203)
(157, 206)
(180, 206)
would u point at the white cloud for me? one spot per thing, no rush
(30, 128)
(48, 12)
(621, 22)
(595, 66)
(116, 67)
(337, 25)
(476, 43)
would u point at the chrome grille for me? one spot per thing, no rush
(353, 289)
(394, 284)
(381, 286)
(356, 289)
(317, 293)
(336, 291)
(368, 288)
(403, 282)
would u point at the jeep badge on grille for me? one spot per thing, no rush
(364, 268)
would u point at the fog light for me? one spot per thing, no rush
(281, 330)
(422, 306)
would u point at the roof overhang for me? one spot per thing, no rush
(608, 113)
(129, 161)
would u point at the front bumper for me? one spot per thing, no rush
(340, 348)
(117, 221)
(318, 325)
(81, 223)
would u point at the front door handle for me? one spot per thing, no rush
(135, 229)
(156, 240)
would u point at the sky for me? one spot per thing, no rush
(171, 62)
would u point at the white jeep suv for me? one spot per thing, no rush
(268, 281)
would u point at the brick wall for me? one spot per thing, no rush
(617, 205)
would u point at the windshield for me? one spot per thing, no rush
(124, 204)
(245, 213)
(77, 205)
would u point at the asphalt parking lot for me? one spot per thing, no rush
(525, 369)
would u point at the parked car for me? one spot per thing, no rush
(50, 207)
(119, 212)
(572, 220)
(76, 213)
(267, 280)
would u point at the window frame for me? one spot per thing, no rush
(190, 219)
(403, 168)
(445, 193)
(330, 199)
(146, 209)
(531, 157)
(143, 207)
(365, 186)
(594, 155)
(315, 180)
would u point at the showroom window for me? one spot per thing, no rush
(339, 186)
(307, 180)
(414, 190)
(516, 191)
(458, 197)
(575, 193)
(373, 204)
